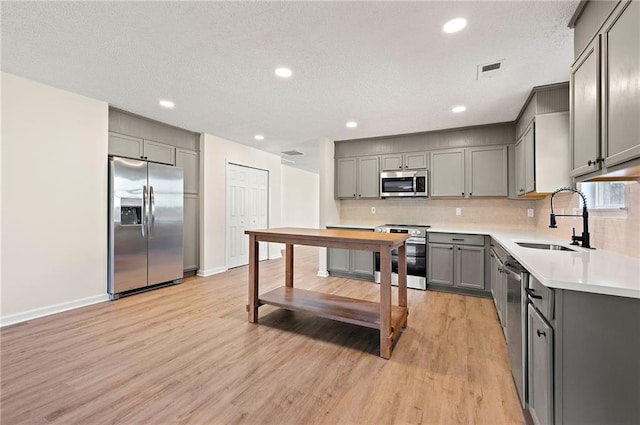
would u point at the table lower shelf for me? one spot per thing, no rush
(335, 307)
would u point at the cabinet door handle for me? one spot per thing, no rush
(450, 247)
(540, 333)
(462, 193)
(532, 294)
(470, 194)
(457, 239)
(354, 195)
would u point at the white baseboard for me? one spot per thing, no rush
(11, 319)
(211, 272)
(323, 273)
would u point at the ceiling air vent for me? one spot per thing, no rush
(491, 69)
(292, 153)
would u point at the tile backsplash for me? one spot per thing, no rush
(498, 213)
(617, 230)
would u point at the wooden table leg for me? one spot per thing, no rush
(385, 302)
(402, 275)
(289, 266)
(254, 256)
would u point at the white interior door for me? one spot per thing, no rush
(247, 208)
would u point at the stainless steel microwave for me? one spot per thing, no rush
(404, 183)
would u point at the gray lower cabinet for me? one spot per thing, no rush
(456, 260)
(349, 262)
(540, 370)
(358, 178)
(190, 233)
(135, 147)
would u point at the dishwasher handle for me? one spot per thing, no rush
(514, 273)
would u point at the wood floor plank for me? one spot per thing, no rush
(185, 354)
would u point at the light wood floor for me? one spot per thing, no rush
(186, 354)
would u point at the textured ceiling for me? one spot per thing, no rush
(386, 65)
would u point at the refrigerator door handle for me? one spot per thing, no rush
(144, 210)
(152, 209)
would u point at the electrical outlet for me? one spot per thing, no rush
(458, 211)
(530, 212)
(373, 210)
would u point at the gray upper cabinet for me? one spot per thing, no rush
(447, 173)
(188, 161)
(405, 161)
(487, 171)
(470, 172)
(605, 96)
(134, 147)
(159, 152)
(358, 178)
(585, 111)
(621, 71)
(369, 177)
(346, 178)
(542, 148)
(125, 146)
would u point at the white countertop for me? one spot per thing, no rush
(353, 226)
(586, 270)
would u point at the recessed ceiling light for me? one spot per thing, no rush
(167, 104)
(258, 137)
(283, 72)
(352, 124)
(458, 109)
(454, 25)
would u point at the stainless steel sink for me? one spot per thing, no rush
(548, 246)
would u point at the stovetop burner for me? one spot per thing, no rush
(408, 225)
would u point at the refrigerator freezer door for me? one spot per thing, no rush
(165, 223)
(127, 243)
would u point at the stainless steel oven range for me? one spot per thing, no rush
(416, 255)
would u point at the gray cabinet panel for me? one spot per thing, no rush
(529, 158)
(487, 171)
(415, 161)
(190, 235)
(159, 152)
(470, 267)
(339, 260)
(392, 162)
(540, 372)
(585, 111)
(369, 177)
(362, 262)
(447, 173)
(188, 161)
(441, 264)
(621, 52)
(125, 146)
(520, 167)
(346, 178)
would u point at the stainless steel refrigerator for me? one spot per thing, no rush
(145, 225)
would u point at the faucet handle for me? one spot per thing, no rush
(574, 238)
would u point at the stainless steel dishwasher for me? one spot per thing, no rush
(517, 282)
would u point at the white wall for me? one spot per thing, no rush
(54, 200)
(329, 207)
(300, 198)
(215, 153)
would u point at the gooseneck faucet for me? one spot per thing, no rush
(585, 238)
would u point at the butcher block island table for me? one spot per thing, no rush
(389, 319)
